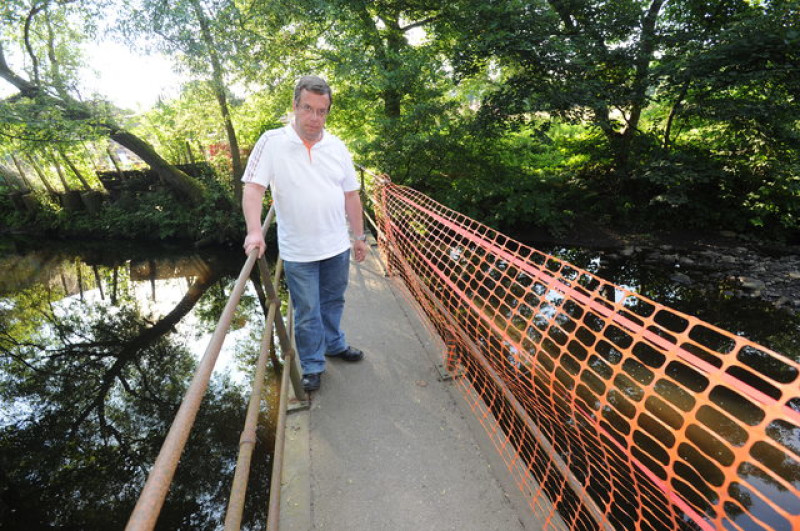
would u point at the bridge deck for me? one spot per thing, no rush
(385, 444)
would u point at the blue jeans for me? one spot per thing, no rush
(317, 292)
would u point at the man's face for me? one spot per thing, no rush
(310, 114)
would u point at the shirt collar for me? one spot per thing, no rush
(294, 137)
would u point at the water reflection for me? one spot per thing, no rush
(96, 351)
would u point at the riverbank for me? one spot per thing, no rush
(736, 265)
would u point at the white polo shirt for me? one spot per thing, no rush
(308, 189)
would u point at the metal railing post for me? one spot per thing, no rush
(284, 338)
(247, 441)
(296, 373)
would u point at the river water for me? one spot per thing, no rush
(709, 297)
(97, 345)
(99, 342)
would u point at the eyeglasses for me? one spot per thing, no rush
(308, 109)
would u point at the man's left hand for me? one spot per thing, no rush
(359, 250)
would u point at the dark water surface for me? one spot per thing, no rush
(98, 344)
(753, 318)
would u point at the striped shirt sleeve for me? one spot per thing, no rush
(257, 170)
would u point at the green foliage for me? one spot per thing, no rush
(512, 182)
(153, 215)
(182, 129)
(641, 114)
(691, 109)
(262, 111)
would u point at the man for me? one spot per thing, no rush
(315, 192)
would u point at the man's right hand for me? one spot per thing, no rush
(252, 196)
(254, 240)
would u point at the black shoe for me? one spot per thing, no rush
(348, 354)
(311, 382)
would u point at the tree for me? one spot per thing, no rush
(576, 61)
(388, 80)
(204, 36)
(599, 61)
(741, 90)
(391, 66)
(642, 74)
(45, 96)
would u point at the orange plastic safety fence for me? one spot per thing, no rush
(610, 411)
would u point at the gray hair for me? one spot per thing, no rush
(313, 84)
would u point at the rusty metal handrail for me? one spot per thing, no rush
(151, 500)
(367, 197)
(275, 323)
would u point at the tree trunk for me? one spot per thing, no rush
(174, 177)
(115, 160)
(77, 110)
(80, 277)
(673, 113)
(99, 282)
(91, 154)
(146, 338)
(8, 181)
(114, 285)
(218, 85)
(59, 171)
(395, 43)
(14, 181)
(640, 82)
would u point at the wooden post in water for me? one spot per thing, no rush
(74, 169)
(114, 160)
(59, 171)
(29, 201)
(38, 170)
(71, 200)
(21, 173)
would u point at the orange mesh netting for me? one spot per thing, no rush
(610, 411)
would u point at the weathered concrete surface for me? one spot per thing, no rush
(385, 444)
